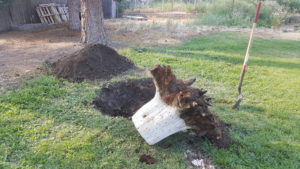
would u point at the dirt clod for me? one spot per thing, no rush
(147, 159)
(95, 61)
(225, 141)
(125, 98)
(137, 150)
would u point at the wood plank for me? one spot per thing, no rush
(52, 13)
(50, 17)
(42, 11)
(62, 13)
(56, 14)
(40, 15)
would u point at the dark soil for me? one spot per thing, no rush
(95, 61)
(225, 141)
(125, 98)
(147, 159)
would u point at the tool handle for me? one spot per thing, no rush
(252, 32)
(247, 57)
(257, 12)
(242, 79)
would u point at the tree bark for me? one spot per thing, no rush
(92, 26)
(74, 14)
(175, 107)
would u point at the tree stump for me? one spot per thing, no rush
(175, 107)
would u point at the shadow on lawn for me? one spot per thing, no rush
(251, 109)
(227, 57)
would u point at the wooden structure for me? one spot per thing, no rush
(52, 13)
(20, 12)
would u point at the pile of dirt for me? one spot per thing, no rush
(95, 61)
(125, 98)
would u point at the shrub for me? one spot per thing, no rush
(185, 5)
(292, 5)
(200, 7)
(272, 14)
(122, 6)
(222, 12)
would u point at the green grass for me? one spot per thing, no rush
(45, 123)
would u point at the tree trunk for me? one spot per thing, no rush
(175, 107)
(74, 14)
(92, 26)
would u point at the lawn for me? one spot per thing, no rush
(47, 122)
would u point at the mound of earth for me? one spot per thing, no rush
(95, 61)
(126, 97)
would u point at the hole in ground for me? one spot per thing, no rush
(124, 98)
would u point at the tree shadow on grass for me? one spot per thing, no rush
(229, 58)
(251, 109)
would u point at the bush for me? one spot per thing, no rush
(200, 7)
(122, 6)
(272, 14)
(188, 6)
(222, 12)
(292, 5)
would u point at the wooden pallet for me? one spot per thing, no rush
(52, 13)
